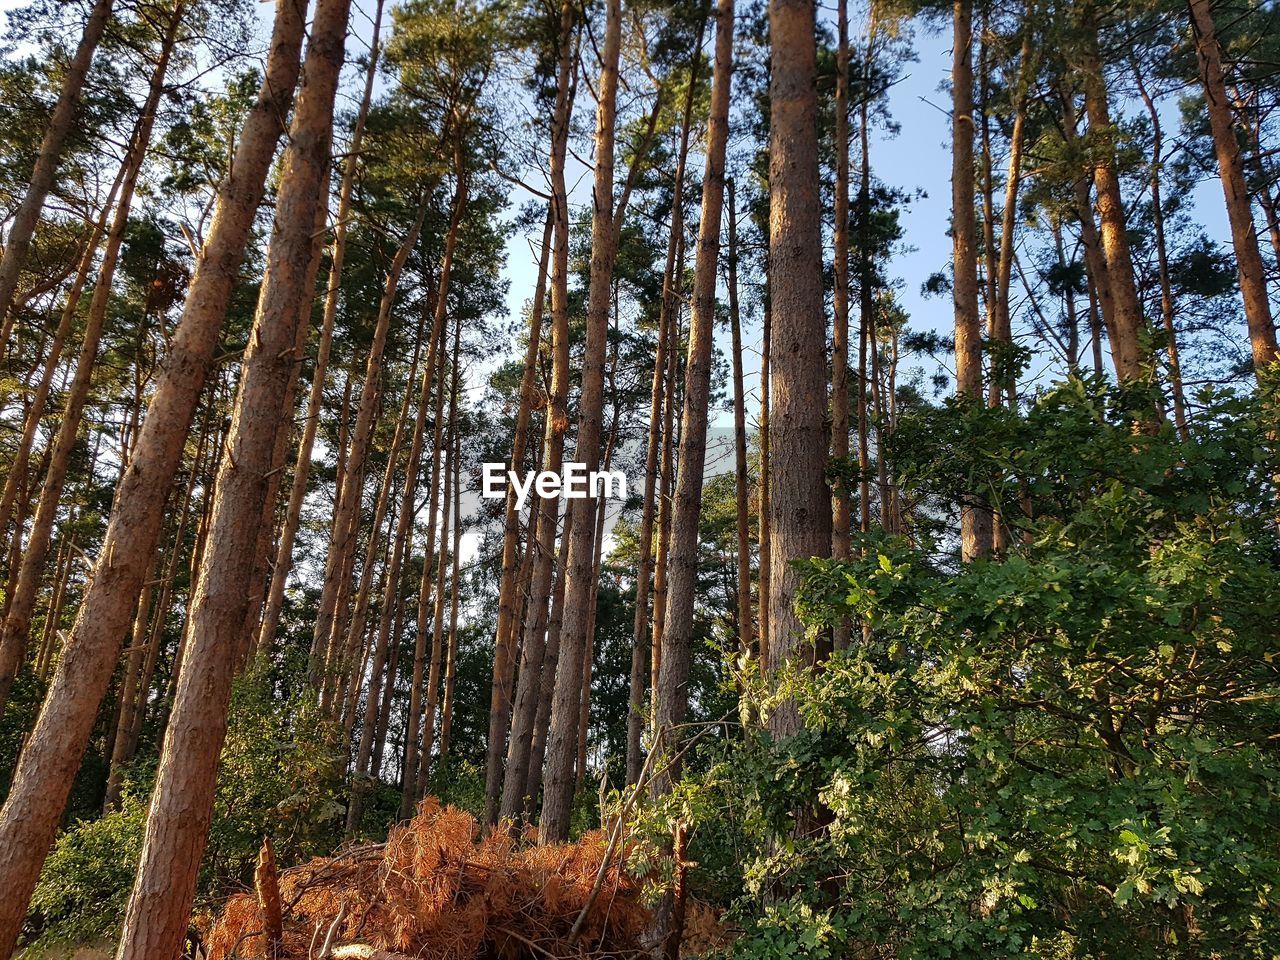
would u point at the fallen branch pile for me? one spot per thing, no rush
(438, 891)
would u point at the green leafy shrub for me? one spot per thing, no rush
(1067, 751)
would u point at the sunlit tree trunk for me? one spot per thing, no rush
(48, 764)
(975, 521)
(1252, 273)
(182, 801)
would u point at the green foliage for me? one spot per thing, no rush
(278, 778)
(86, 880)
(1065, 751)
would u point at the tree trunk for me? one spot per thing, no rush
(657, 411)
(1162, 258)
(800, 502)
(840, 522)
(61, 120)
(315, 398)
(975, 520)
(534, 645)
(504, 663)
(673, 686)
(48, 765)
(451, 655)
(765, 493)
(1253, 277)
(182, 802)
(563, 737)
(438, 636)
(434, 368)
(742, 487)
(1127, 352)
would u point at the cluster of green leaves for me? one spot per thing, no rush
(1067, 750)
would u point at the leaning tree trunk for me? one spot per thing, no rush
(182, 800)
(975, 521)
(48, 764)
(562, 740)
(315, 398)
(61, 120)
(800, 501)
(1253, 277)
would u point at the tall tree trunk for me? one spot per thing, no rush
(673, 686)
(451, 654)
(800, 502)
(182, 802)
(1252, 273)
(17, 621)
(1127, 352)
(1162, 257)
(61, 121)
(508, 600)
(315, 398)
(840, 518)
(765, 494)
(975, 520)
(534, 645)
(563, 737)
(547, 682)
(742, 486)
(658, 409)
(438, 636)
(666, 484)
(48, 764)
(434, 368)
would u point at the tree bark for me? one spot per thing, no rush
(840, 518)
(182, 802)
(673, 686)
(1252, 273)
(563, 737)
(800, 501)
(315, 398)
(975, 520)
(742, 486)
(48, 764)
(504, 662)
